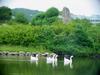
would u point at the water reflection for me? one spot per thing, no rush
(52, 59)
(68, 61)
(54, 63)
(34, 61)
(68, 64)
(82, 66)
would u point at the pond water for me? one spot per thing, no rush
(23, 66)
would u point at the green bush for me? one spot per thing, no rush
(74, 38)
(5, 14)
(51, 12)
(20, 18)
(46, 18)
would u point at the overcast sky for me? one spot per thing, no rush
(78, 7)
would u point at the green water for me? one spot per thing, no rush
(23, 66)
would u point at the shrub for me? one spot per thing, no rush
(71, 39)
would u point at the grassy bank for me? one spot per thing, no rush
(12, 48)
(78, 37)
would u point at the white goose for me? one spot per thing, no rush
(52, 59)
(68, 61)
(34, 58)
(55, 57)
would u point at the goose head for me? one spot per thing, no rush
(56, 55)
(37, 55)
(71, 56)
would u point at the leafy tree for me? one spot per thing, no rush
(51, 15)
(39, 19)
(51, 20)
(81, 37)
(5, 13)
(46, 18)
(20, 17)
(40, 16)
(51, 12)
(94, 35)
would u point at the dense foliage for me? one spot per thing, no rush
(47, 32)
(51, 12)
(27, 12)
(46, 18)
(79, 37)
(20, 18)
(5, 14)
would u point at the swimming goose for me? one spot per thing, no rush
(52, 59)
(34, 57)
(67, 60)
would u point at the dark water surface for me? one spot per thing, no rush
(23, 66)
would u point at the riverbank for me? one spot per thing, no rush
(6, 50)
(74, 39)
(11, 48)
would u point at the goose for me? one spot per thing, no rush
(52, 59)
(68, 60)
(34, 61)
(55, 57)
(34, 57)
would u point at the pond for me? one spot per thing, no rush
(12, 65)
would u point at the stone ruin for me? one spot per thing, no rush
(66, 15)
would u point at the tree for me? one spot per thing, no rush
(81, 37)
(20, 17)
(94, 35)
(51, 12)
(5, 14)
(46, 18)
(51, 15)
(39, 19)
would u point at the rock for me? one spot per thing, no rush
(97, 56)
(13, 53)
(4, 53)
(28, 54)
(21, 53)
(45, 54)
(1, 53)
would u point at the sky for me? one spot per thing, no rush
(77, 7)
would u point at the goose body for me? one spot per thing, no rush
(68, 61)
(52, 60)
(34, 58)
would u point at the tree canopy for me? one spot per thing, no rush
(20, 17)
(51, 12)
(46, 18)
(5, 13)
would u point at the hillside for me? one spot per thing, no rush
(27, 12)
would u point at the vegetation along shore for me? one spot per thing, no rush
(47, 33)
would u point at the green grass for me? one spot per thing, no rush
(10, 48)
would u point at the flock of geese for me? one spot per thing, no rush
(52, 59)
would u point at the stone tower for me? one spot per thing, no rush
(66, 16)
